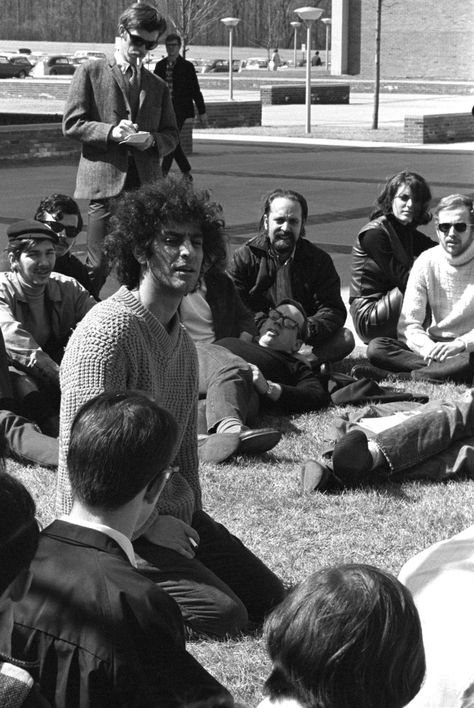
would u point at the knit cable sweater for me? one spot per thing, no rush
(446, 284)
(121, 345)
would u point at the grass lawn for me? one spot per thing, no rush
(259, 499)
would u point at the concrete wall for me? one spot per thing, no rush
(433, 40)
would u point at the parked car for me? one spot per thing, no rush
(88, 54)
(11, 69)
(24, 50)
(255, 63)
(58, 64)
(219, 66)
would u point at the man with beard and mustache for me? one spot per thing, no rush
(280, 263)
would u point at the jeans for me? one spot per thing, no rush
(393, 355)
(226, 382)
(436, 443)
(178, 154)
(219, 590)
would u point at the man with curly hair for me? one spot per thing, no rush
(163, 237)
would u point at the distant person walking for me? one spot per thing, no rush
(275, 61)
(109, 101)
(183, 84)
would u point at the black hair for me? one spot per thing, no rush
(138, 216)
(285, 194)
(58, 205)
(19, 532)
(173, 38)
(143, 16)
(348, 636)
(119, 443)
(420, 191)
(21, 245)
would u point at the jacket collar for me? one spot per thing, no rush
(82, 536)
(51, 291)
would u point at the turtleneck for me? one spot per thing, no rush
(41, 326)
(463, 257)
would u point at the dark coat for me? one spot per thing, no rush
(315, 284)
(229, 314)
(185, 88)
(104, 635)
(97, 101)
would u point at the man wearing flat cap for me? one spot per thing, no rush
(39, 309)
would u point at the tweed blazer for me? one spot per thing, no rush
(97, 101)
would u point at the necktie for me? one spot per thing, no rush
(134, 92)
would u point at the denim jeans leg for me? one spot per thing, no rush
(99, 215)
(430, 432)
(226, 381)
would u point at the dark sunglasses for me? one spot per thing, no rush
(58, 228)
(459, 226)
(138, 41)
(287, 322)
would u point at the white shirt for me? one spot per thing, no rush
(122, 540)
(441, 579)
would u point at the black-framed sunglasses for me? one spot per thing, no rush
(288, 322)
(138, 41)
(58, 228)
(459, 226)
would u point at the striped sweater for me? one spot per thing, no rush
(121, 345)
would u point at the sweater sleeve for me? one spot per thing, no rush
(414, 310)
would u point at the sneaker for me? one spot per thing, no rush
(367, 371)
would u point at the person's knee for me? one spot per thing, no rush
(222, 615)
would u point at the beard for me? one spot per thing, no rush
(283, 242)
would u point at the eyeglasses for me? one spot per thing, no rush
(58, 228)
(288, 322)
(459, 226)
(138, 41)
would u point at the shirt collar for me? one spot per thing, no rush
(124, 542)
(122, 63)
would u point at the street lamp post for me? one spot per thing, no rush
(327, 22)
(296, 25)
(230, 23)
(308, 15)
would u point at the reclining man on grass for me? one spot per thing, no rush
(161, 235)
(101, 632)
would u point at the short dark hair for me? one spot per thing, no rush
(138, 215)
(346, 637)
(289, 301)
(19, 532)
(451, 201)
(19, 246)
(173, 37)
(419, 189)
(57, 205)
(119, 443)
(286, 194)
(142, 16)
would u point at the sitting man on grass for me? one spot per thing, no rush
(103, 634)
(38, 311)
(161, 234)
(436, 326)
(281, 263)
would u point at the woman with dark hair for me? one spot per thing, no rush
(347, 637)
(384, 252)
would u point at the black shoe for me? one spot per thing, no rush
(314, 476)
(187, 177)
(367, 371)
(254, 442)
(351, 458)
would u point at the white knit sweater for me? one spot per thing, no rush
(446, 285)
(121, 345)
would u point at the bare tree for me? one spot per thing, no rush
(189, 17)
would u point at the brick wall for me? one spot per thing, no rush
(230, 114)
(296, 93)
(433, 40)
(441, 128)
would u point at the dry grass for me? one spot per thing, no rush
(259, 499)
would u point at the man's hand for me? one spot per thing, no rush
(203, 120)
(120, 131)
(259, 381)
(443, 350)
(173, 533)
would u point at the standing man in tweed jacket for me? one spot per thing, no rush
(180, 75)
(123, 116)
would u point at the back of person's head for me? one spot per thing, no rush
(119, 443)
(285, 194)
(421, 195)
(455, 201)
(138, 216)
(346, 637)
(57, 205)
(142, 16)
(19, 531)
